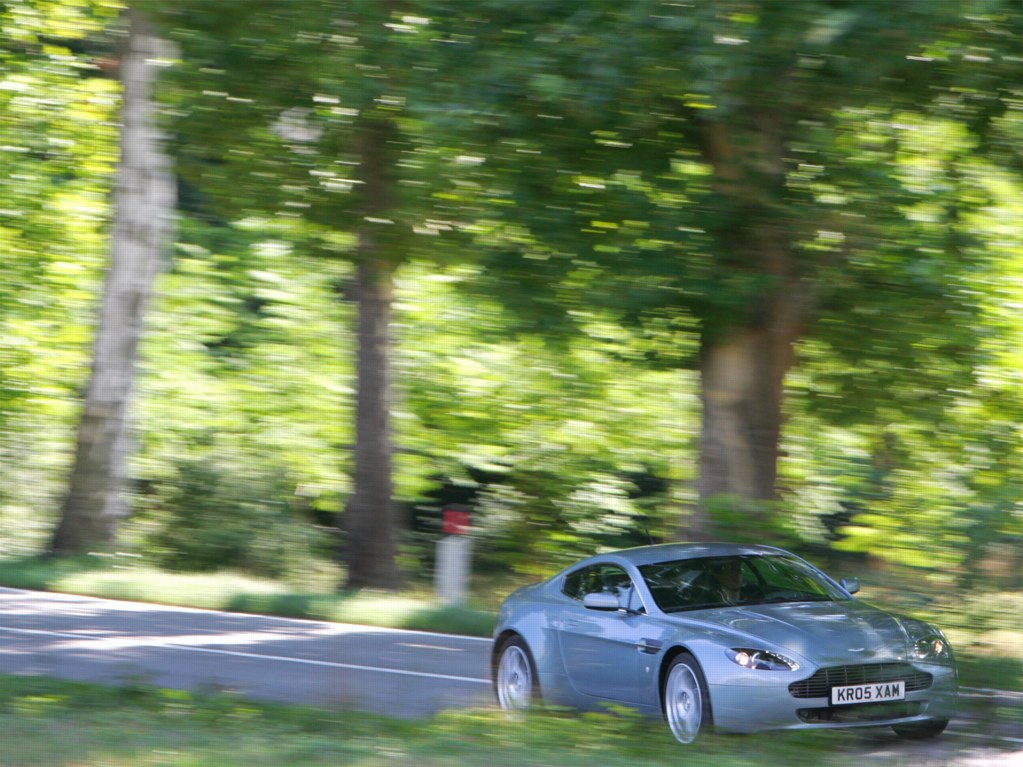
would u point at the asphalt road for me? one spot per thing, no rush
(400, 673)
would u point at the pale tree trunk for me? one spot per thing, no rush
(143, 207)
(369, 521)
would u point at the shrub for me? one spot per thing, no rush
(210, 516)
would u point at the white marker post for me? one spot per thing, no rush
(454, 557)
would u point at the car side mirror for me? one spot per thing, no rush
(601, 601)
(852, 585)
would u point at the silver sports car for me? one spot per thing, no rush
(741, 637)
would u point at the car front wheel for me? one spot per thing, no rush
(932, 728)
(515, 681)
(686, 705)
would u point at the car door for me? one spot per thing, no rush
(604, 652)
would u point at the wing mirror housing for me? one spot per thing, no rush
(852, 585)
(601, 601)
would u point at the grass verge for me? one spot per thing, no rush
(129, 579)
(51, 722)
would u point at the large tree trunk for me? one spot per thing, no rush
(143, 204)
(743, 368)
(742, 379)
(369, 520)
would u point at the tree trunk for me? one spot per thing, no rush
(743, 369)
(742, 380)
(370, 520)
(143, 204)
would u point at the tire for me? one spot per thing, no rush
(684, 699)
(515, 681)
(931, 728)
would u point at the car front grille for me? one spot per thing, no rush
(819, 685)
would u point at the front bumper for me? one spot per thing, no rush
(746, 708)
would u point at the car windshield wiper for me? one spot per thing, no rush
(686, 608)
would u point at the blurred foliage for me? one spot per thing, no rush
(213, 516)
(57, 157)
(561, 240)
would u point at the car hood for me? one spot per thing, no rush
(822, 632)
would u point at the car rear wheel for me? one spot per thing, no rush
(686, 705)
(515, 682)
(932, 728)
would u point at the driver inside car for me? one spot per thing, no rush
(727, 579)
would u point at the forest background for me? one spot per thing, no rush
(596, 271)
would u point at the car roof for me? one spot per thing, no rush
(667, 552)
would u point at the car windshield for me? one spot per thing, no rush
(707, 582)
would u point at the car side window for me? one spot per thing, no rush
(600, 578)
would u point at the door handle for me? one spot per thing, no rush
(649, 646)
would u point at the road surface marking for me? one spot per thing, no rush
(259, 656)
(981, 736)
(986, 692)
(416, 646)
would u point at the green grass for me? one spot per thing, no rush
(46, 722)
(131, 579)
(1002, 672)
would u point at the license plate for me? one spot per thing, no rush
(868, 693)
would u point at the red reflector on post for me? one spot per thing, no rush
(456, 522)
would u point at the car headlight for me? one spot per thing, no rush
(931, 648)
(762, 660)
(926, 643)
